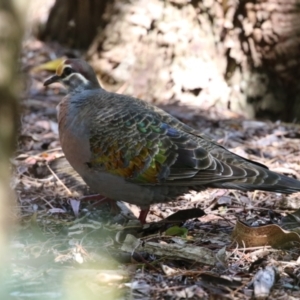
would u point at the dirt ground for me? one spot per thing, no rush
(63, 249)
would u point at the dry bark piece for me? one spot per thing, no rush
(216, 279)
(170, 251)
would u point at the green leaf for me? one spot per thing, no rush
(177, 231)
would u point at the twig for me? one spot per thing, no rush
(56, 177)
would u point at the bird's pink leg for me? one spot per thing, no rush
(143, 215)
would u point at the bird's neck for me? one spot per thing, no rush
(78, 83)
(81, 87)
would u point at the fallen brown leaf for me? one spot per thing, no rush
(269, 235)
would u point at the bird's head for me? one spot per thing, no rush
(75, 75)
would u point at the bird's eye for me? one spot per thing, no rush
(67, 71)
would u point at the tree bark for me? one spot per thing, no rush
(74, 22)
(10, 39)
(271, 31)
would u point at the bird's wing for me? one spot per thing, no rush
(151, 147)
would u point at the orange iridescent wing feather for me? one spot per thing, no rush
(143, 167)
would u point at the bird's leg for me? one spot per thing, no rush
(143, 215)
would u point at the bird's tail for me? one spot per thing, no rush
(266, 181)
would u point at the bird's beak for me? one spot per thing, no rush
(52, 79)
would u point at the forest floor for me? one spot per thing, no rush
(64, 249)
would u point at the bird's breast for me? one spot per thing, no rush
(74, 138)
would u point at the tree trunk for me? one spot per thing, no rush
(271, 34)
(10, 37)
(74, 22)
(237, 55)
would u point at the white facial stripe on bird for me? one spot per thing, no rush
(79, 76)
